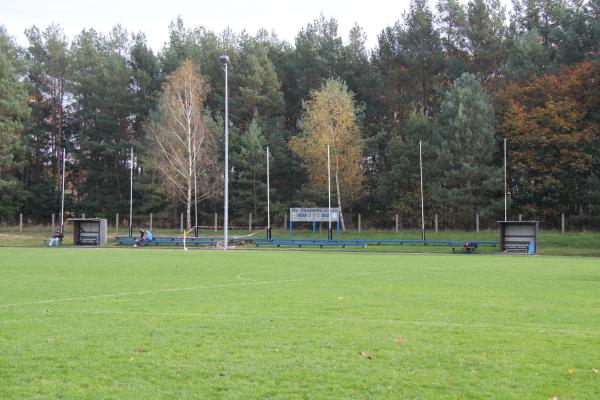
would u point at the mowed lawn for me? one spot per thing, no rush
(157, 323)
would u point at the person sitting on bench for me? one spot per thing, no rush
(145, 237)
(56, 239)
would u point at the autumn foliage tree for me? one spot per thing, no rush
(182, 141)
(551, 124)
(330, 119)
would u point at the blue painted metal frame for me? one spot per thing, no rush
(314, 228)
(374, 241)
(194, 241)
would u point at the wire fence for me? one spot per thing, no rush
(352, 221)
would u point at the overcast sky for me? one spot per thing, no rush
(153, 17)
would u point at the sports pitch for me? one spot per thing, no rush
(157, 323)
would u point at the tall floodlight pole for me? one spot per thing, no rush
(329, 231)
(505, 184)
(62, 199)
(225, 61)
(268, 199)
(422, 197)
(195, 192)
(131, 196)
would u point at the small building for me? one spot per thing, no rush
(519, 236)
(89, 231)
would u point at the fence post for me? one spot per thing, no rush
(477, 222)
(562, 223)
(520, 217)
(21, 223)
(117, 223)
(83, 215)
(250, 222)
(396, 223)
(216, 222)
(52, 222)
(150, 221)
(359, 224)
(436, 223)
(181, 223)
(285, 221)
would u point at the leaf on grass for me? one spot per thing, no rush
(594, 370)
(399, 341)
(553, 398)
(572, 370)
(363, 354)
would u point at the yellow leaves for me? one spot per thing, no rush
(330, 119)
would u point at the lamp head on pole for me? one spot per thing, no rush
(224, 59)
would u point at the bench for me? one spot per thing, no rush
(192, 241)
(516, 247)
(319, 244)
(88, 239)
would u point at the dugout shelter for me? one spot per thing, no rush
(89, 231)
(519, 236)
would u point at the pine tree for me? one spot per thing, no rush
(399, 185)
(464, 136)
(251, 183)
(104, 107)
(13, 115)
(485, 37)
(422, 54)
(49, 62)
(257, 89)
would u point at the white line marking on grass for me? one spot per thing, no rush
(225, 285)
(440, 324)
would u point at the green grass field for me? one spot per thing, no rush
(152, 323)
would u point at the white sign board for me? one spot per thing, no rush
(313, 214)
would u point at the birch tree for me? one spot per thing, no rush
(330, 119)
(182, 141)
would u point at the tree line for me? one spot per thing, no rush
(458, 77)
